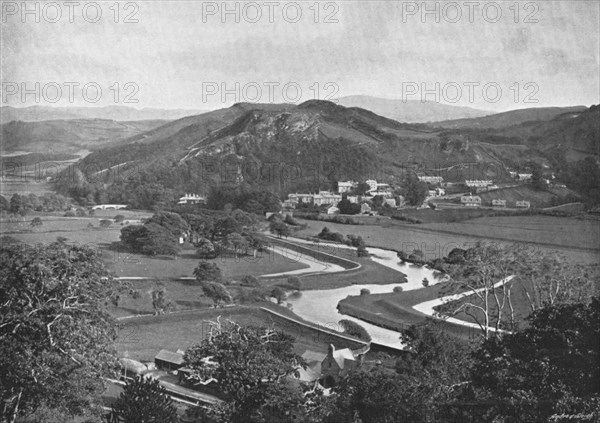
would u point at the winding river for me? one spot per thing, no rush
(320, 306)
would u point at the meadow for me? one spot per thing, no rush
(576, 238)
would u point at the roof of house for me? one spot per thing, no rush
(340, 356)
(310, 356)
(311, 373)
(169, 356)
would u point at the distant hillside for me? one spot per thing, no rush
(513, 117)
(412, 111)
(118, 113)
(285, 147)
(68, 136)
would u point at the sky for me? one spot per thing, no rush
(494, 56)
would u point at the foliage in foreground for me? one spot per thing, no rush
(55, 336)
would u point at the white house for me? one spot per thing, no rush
(499, 203)
(346, 186)
(191, 199)
(372, 183)
(471, 200)
(475, 183)
(524, 176)
(523, 204)
(326, 197)
(431, 179)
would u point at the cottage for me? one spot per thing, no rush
(523, 204)
(499, 203)
(191, 199)
(168, 360)
(470, 200)
(338, 363)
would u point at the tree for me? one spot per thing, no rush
(208, 272)
(237, 243)
(105, 223)
(56, 337)
(279, 228)
(361, 189)
(486, 274)
(119, 218)
(346, 207)
(425, 282)
(279, 294)
(250, 365)
(36, 222)
(537, 178)
(354, 329)
(206, 249)
(150, 239)
(550, 279)
(364, 291)
(294, 282)
(398, 289)
(143, 400)
(361, 251)
(216, 292)
(416, 191)
(250, 280)
(16, 204)
(161, 303)
(550, 368)
(172, 222)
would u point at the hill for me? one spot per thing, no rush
(68, 136)
(511, 118)
(412, 111)
(284, 148)
(118, 113)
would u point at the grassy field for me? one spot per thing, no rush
(125, 264)
(142, 338)
(566, 232)
(527, 193)
(437, 240)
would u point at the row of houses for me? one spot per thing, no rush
(375, 188)
(475, 201)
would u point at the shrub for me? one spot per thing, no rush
(80, 212)
(278, 294)
(69, 214)
(105, 223)
(250, 280)
(364, 292)
(294, 282)
(425, 282)
(361, 251)
(398, 289)
(206, 249)
(354, 329)
(119, 218)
